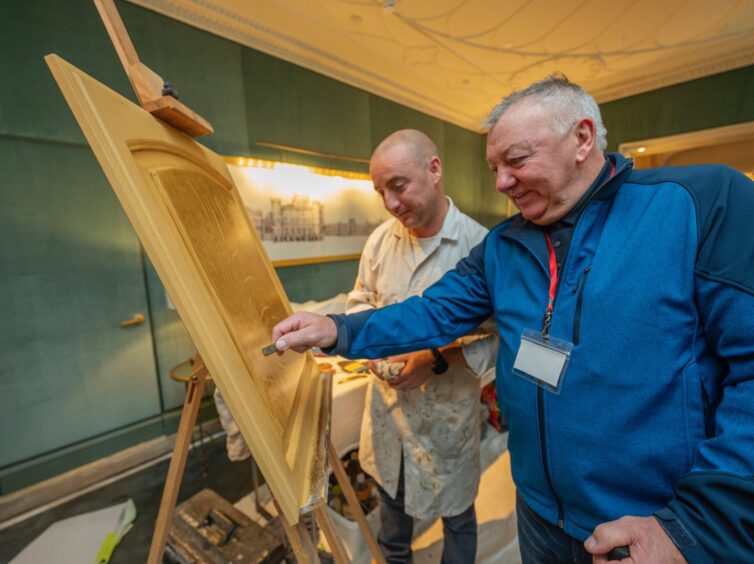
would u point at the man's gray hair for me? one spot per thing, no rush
(568, 102)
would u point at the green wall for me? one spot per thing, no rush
(75, 385)
(722, 99)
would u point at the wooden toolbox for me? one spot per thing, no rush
(208, 529)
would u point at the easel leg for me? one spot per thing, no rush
(336, 547)
(255, 488)
(177, 465)
(301, 542)
(353, 503)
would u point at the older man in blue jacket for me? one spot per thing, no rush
(624, 301)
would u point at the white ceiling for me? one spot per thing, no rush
(454, 59)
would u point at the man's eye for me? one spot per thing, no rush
(513, 161)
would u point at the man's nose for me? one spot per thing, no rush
(504, 181)
(391, 202)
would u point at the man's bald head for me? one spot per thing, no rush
(407, 174)
(410, 143)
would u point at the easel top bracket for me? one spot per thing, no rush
(155, 95)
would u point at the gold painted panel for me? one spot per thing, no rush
(188, 215)
(232, 264)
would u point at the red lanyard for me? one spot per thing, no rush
(553, 287)
(554, 279)
(553, 272)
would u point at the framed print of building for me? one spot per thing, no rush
(304, 214)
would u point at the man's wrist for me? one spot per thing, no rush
(341, 334)
(440, 364)
(454, 354)
(681, 537)
(348, 328)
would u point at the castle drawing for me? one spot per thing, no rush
(303, 220)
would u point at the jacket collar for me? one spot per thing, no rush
(530, 235)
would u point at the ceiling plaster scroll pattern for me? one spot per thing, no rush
(572, 52)
(273, 42)
(455, 58)
(594, 60)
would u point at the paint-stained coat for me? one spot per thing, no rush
(436, 426)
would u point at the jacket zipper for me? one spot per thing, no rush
(545, 463)
(540, 392)
(543, 436)
(579, 301)
(541, 397)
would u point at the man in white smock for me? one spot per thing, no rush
(420, 431)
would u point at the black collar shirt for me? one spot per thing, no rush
(561, 231)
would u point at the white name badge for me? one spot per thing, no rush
(543, 361)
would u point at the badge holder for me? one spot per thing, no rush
(542, 360)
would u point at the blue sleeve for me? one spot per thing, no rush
(714, 502)
(452, 307)
(711, 517)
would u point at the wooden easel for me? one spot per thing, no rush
(156, 97)
(301, 542)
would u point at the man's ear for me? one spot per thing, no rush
(586, 137)
(435, 168)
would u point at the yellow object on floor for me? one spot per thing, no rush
(90, 537)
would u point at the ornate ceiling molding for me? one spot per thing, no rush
(437, 76)
(257, 35)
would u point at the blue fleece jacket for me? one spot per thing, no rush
(656, 409)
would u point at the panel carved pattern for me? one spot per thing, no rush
(188, 215)
(455, 59)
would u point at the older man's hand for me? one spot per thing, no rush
(644, 537)
(302, 331)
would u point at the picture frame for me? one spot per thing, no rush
(307, 214)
